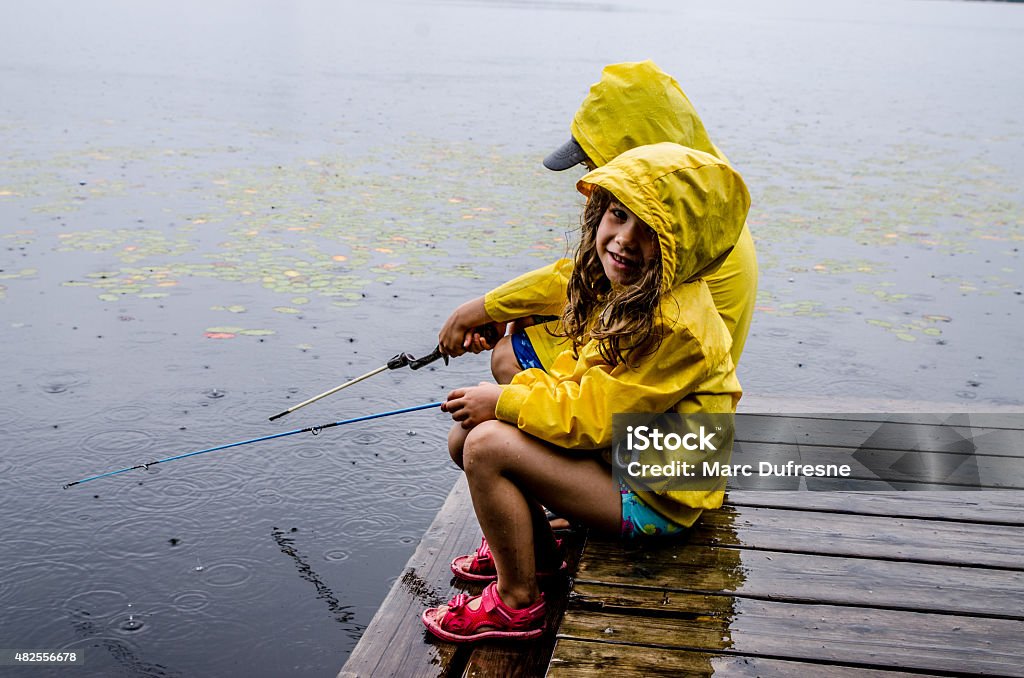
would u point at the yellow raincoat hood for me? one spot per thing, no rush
(695, 202)
(635, 104)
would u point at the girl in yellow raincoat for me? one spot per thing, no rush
(644, 337)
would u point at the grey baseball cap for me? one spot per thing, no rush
(565, 156)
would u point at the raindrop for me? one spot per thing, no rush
(131, 623)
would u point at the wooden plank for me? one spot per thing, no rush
(802, 578)
(820, 633)
(395, 643)
(878, 469)
(529, 660)
(900, 539)
(1002, 507)
(839, 431)
(1013, 420)
(587, 659)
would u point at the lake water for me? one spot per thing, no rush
(211, 211)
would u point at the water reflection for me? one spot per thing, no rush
(343, 614)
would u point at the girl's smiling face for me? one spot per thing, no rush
(625, 245)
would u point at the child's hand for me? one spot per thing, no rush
(474, 404)
(459, 333)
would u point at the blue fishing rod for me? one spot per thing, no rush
(309, 429)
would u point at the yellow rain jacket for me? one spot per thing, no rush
(633, 104)
(697, 205)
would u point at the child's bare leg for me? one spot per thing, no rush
(456, 442)
(504, 364)
(546, 548)
(509, 472)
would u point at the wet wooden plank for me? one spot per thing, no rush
(1003, 507)
(526, 659)
(879, 537)
(985, 420)
(395, 643)
(587, 659)
(866, 638)
(877, 469)
(800, 578)
(968, 438)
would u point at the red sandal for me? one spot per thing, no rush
(462, 624)
(479, 566)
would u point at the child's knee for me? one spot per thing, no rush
(504, 364)
(456, 443)
(484, 443)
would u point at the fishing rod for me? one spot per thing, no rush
(488, 332)
(400, 360)
(309, 429)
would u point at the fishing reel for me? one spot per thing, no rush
(407, 359)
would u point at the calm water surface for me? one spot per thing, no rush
(210, 211)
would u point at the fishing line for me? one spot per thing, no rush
(309, 429)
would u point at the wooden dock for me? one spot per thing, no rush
(775, 583)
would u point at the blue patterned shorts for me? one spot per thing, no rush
(524, 351)
(640, 520)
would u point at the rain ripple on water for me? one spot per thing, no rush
(181, 491)
(118, 440)
(9, 416)
(147, 535)
(62, 382)
(123, 414)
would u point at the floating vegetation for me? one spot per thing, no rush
(810, 309)
(282, 228)
(913, 329)
(131, 245)
(23, 273)
(230, 332)
(325, 229)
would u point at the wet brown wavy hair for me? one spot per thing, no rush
(624, 321)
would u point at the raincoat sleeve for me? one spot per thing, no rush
(575, 410)
(539, 292)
